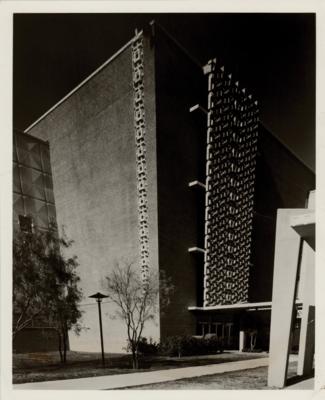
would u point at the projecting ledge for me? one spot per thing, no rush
(196, 184)
(197, 107)
(196, 250)
(304, 225)
(263, 305)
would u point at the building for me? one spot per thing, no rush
(162, 161)
(33, 198)
(33, 206)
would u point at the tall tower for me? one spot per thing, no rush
(230, 175)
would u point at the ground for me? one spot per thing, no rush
(249, 379)
(39, 367)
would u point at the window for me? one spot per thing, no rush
(203, 328)
(213, 328)
(25, 223)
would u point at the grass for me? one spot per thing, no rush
(249, 379)
(37, 367)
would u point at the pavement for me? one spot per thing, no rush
(145, 378)
(307, 384)
(142, 378)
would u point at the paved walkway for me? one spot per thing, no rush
(142, 378)
(307, 384)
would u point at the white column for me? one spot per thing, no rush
(284, 281)
(241, 340)
(307, 330)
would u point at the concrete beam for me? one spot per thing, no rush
(286, 261)
(196, 184)
(196, 250)
(304, 225)
(197, 107)
(307, 329)
(264, 304)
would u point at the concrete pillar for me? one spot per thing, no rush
(241, 340)
(307, 330)
(286, 259)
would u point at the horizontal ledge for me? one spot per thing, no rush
(196, 250)
(238, 306)
(196, 183)
(197, 107)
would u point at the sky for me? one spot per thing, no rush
(273, 55)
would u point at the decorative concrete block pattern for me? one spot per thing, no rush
(230, 174)
(140, 141)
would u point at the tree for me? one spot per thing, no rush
(63, 310)
(137, 300)
(45, 283)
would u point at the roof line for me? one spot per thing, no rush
(37, 139)
(176, 42)
(115, 55)
(287, 147)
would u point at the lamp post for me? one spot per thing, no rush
(99, 296)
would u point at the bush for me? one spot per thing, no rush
(147, 348)
(189, 346)
(249, 350)
(144, 347)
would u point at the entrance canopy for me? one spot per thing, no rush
(264, 305)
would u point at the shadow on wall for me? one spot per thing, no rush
(282, 181)
(32, 340)
(267, 201)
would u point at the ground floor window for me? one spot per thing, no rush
(223, 330)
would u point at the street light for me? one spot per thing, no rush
(99, 296)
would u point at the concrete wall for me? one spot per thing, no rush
(92, 146)
(180, 159)
(282, 181)
(35, 340)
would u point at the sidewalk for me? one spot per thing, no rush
(307, 384)
(142, 378)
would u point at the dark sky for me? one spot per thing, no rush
(273, 55)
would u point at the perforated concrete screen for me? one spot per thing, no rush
(140, 141)
(32, 181)
(230, 172)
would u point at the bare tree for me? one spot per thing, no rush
(137, 300)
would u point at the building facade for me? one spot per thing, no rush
(163, 162)
(33, 197)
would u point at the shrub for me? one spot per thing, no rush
(147, 348)
(249, 350)
(189, 346)
(212, 344)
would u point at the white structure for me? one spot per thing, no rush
(294, 257)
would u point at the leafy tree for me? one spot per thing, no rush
(29, 290)
(45, 284)
(137, 300)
